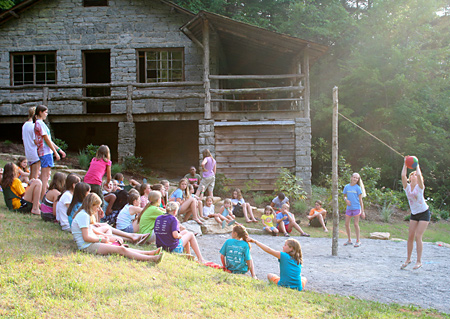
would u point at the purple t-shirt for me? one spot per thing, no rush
(209, 166)
(165, 225)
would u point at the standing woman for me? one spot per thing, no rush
(420, 214)
(31, 152)
(45, 147)
(209, 173)
(353, 195)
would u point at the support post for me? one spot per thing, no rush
(206, 81)
(334, 159)
(130, 103)
(307, 86)
(45, 95)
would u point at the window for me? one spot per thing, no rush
(33, 68)
(161, 65)
(95, 3)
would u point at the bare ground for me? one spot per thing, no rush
(370, 272)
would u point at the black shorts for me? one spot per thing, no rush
(25, 207)
(425, 216)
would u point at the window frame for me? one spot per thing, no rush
(33, 54)
(159, 51)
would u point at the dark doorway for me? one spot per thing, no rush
(170, 146)
(97, 69)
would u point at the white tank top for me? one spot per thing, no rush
(416, 200)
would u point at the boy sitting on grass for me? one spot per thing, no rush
(286, 221)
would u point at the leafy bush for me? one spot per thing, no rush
(132, 164)
(407, 218)
(290, 185)
(7, 142)
(300, 207)
(386, 211)
(222, 185)
(435, 217)
(61, 144)
(116, 168)
(86, 155)
(83, 160)
(260, 198)
(248, 186)
(444, 214)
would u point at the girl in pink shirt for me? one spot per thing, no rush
(100, 165)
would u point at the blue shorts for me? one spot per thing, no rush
(46, 160)
(128, 229)
(179, 249)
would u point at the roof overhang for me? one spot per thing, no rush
(248, 48)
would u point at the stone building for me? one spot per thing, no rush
(152, 79)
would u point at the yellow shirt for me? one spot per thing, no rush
(17, 188)
(268, 220)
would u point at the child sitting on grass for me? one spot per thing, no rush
(319, 213)
(290, 260)
(225, 216)
(126, 220)
(268, 219)
(286, 222)
(88, 242)
(16, 197)
(50, 200)
(208, 209)
(169, 236)
(235, 252)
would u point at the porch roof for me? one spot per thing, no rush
(250, 49)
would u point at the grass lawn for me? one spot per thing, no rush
(43, 275)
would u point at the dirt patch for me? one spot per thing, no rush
(370, 272)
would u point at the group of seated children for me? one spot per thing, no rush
(77, 208)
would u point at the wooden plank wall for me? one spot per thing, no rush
(254, 152)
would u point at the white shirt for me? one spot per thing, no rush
(28, 143)
(61, 210)
(416, 200)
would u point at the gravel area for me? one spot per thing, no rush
(370, 272)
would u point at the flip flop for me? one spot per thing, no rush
(417, 266)
(143, 239)
(161, 257)
(357, 244)
(224, 224)
(405, 264)
(348, 243)
(231, 223)
(305, 235)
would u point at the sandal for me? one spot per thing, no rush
(231, 223)
(224, 224)
(358, 243)
(348, 243)
(417, 266)
(405, 264)
(305, 235)
(287, 235)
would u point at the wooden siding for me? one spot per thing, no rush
(254, 152)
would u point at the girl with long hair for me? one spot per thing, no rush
(102, 244)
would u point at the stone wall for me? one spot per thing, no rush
(303, 151)
(127, 140)
(206, 138)
(123, 27)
